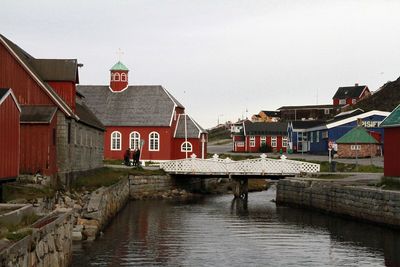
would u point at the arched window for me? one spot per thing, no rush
(154, 141)
(123, 77)
(186, 147)
(134, 140)
(116, 77)
(115, 140)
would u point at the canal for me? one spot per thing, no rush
(217, 231)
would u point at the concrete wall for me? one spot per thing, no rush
(49, 245)
(375, 205)
(85, 150)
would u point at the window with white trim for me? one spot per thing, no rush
(240, 144)
(274, 141)
(116, 140)
(134, 140)
(186, 147)
(284, 141)
(312, 137)
(326, 111)
(355, 147)
(116, 77)
(154, 141)
(252, 141)
(317, 136)
(342, 101)
(263, 140)
(123, 77)
(353, 101)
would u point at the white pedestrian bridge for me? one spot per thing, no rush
(216, 166)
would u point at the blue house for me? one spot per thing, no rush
(297, 134)
(319, 136)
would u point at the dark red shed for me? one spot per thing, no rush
(9, 135)
(392, 143)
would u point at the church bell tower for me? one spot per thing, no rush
(119, 77)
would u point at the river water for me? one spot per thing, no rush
(217, 231)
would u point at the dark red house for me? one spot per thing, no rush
(52, 118)
(350, 95)
(9, 135)
(392, 143)
(255, 135)
(147, 117)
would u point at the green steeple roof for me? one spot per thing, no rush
(119, 66)
(357, 135)
(393, 119)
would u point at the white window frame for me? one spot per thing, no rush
(263, 140)
(353, 101)
(186, 145)
(252, 141)
(154, 141)
(274, 141)
(312, 137)
(135, 140)
(123, 77)
(117, 78)
(355, 147)
(239, 144)
(342, 101)
(317, 136)
(284, 141)
(118, 136)
(326, 111)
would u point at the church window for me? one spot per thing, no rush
(274, 141)
(115, 140)
(123, 77)
(116, 77)
(134, 138)
(154, 141)
(186, 147)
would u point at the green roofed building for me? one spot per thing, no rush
(358, 142)
(392, 143)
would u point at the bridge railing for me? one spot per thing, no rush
(260, 166)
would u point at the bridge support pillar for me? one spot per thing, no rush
(241, 188)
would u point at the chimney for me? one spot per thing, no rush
(119, 77)
(356, 84)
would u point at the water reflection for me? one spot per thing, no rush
(219, 231)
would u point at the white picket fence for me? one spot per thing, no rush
(261, 166)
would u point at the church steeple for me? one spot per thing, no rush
(119, 77)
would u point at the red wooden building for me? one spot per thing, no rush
(391, 126)
(9, 135)
(46, 91)
(261, 137)
(350, 95)
(146, 117)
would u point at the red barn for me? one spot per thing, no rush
(52, 117)
(350, 95)
(146, 117)
(9, 135)
(258, 136)
(391, 126)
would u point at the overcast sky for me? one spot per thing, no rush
(218, 57)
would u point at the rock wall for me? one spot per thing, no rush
(149, 186)
(374, 205)
(50, 244)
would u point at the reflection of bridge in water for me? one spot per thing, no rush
(240, 171)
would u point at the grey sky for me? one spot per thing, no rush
(218, 57)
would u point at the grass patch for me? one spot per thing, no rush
(389, 183)
(233, 157)
(13, 191)
(113, 161)
(15, 232)
(222, 142)
(345, 167)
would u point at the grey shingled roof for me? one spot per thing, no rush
(193, 128)
(349, 91)
(37, 114)
(87, 117)
(149, 105)
(263, 128)
(306, 107)
(56, 69)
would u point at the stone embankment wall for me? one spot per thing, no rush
(374, 205)
(50, 244)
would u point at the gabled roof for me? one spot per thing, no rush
(119, 66)
(4, 93)
(393, 120)
(56, 69)
(357, 135)
(193, 129)
(263, 128)
(37, 114)
(306, 107)
(349, 113)
(149, 105)
(349, 91)
(270, 113)
(24, 58)
(87, 117)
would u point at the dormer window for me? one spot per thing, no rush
(123, 77)
(116, 77)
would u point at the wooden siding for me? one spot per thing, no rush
(38, 149)
(391, 150)
(67, 91)
(9, 139)
(13, 75)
